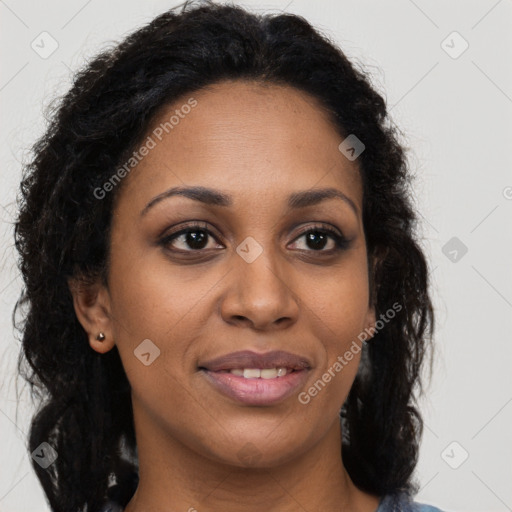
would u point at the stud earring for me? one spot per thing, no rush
(100, 337)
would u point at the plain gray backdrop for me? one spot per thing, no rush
(444, 68)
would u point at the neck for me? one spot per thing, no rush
(173, 477)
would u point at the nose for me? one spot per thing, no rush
(260, 294)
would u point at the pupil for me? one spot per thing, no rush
(196, 239)
(311, 238)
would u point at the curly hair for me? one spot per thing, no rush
(62, 232)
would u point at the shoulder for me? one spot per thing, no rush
(402, 502)
(426, 508)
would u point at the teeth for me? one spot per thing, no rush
(256, 373)
(250, 373)
(270, 373)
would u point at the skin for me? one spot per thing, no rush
(257, 143)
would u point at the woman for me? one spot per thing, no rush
(226, 307)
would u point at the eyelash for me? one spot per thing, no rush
(341, 243)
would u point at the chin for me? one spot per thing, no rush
(254, 454)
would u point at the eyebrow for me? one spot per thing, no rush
(214, 197)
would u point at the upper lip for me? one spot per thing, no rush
(249, 359)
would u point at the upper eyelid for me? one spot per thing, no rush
(205, 226)
(321, 226)
(191, 225)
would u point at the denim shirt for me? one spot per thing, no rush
(403, 503)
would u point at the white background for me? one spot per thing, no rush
(456, 114)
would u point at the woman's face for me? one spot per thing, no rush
(251, 275)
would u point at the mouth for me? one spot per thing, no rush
(256, 379)
(257, 373)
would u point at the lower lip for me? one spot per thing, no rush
(257, 391)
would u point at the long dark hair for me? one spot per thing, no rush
(62, 231)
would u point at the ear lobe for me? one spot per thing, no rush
(91, 302)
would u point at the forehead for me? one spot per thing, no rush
(245, 137)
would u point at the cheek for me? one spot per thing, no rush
(151, 297)
(341, 303)
(156, 301)
(340, 312)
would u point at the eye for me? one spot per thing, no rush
(318, 237)
(195, 236)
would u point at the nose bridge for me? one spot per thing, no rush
(259, 291)
(263, 273)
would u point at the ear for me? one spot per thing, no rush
(92, 308)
